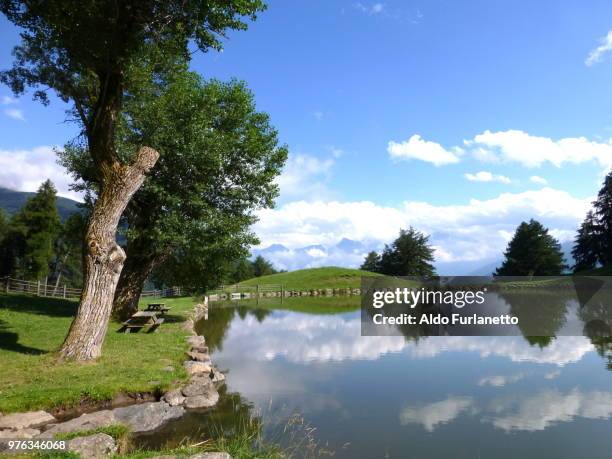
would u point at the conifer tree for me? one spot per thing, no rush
(409, 255)
(532, 252)
(593, 243)
(371, 262)
(28, 246)
(587, 245)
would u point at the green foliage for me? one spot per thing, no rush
(587, 244)
(532, 252)
(593, 242)
(409, 255)
(27, 248)
(371, 262)
(262, 267)
(218, 159)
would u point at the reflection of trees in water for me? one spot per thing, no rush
(215, 327)
(219, 319)
(540, 314)
(597, 318)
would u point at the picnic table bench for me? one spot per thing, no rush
(143, 319)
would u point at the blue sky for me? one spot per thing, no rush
(386, 106)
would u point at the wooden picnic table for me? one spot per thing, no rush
(160, 307)
(142, 319)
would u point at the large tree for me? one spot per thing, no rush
(409, 255)
(89, 52)
(593, 243)
(532, 252)
(587, 244)
(218, 160)
(27, 249)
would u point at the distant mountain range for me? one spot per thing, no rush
(11, 201)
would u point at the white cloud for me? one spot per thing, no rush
(423, 150)
(549, 407)
(508, 146)
(537, 179)
(25, 170)
(375, 8)
(15, 113)
(500, 380)
(484, 176)
(596, 54)
(304, 176)
(477, 230)
(434, 414)
(533, 151)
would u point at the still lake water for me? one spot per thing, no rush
(394, 397)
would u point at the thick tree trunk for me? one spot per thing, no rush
(135, 272)
(103, 257)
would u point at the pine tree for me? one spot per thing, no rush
(587, 245)
(603, 214)
(262, 267)
(39, 223)
(409, 255)
(371, 262)
(532, 252)
(593, 243)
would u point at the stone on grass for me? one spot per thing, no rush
(197, 367)
(96, 446)
(202, 401)
(211, 456)
(147, 416)
(197, 340)
(199, 356)
(174, 398)
(218, 377)
(18, 421)
(19, 434)
(202, 349)
(88, 421)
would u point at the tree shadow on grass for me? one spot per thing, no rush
(9, 341)
(52, 307)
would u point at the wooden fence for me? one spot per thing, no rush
(45, 288)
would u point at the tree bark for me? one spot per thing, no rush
(135, 273)
(103, 257)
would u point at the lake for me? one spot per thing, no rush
(301, 365)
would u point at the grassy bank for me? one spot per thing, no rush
(313, 278)
(32, 329)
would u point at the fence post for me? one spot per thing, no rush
(37, 287)
(8, 282)
(45, 294)
(64, 290)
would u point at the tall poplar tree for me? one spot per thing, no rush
(90, 53)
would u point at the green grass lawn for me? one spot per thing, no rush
(31, 377)
(313, 278)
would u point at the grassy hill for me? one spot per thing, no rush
(314, 278)
(11, 201)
